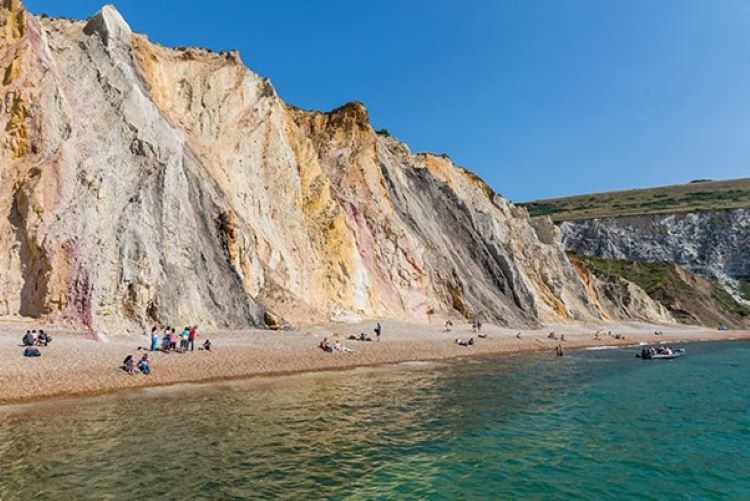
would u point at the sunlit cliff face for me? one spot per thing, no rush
(142, 184)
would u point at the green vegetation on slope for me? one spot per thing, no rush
(745, 290)
(699, 195)
(690, 298)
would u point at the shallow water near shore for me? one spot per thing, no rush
(594, 424)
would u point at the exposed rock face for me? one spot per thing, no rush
(715, 244)
(664, 291)
(619, 299)
(143, 184)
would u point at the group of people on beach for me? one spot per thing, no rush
(476, 326)
(165, 341)
(330, 347)
(32, 340)
(170, 338)
(597, 336)
(143, 365)
(552, 335)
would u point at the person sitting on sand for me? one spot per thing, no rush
(448, 325)
(470, 342)
(127, 365)
(337, 346)
(31, 351)
(28, 339)
(207, 345)
(326, 346)
(144, 366)
(518, 336)
(43, 339)
(552, 336)
(364, 337)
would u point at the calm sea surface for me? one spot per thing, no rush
(593, 425)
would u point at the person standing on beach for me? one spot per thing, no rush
(378, 330)
(184, 339)
(165, 339)
(192, 334)
(154, 338)
(172, 339)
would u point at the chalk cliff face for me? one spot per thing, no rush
(142, 184)
(714, 244)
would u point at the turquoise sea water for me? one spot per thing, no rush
(592, 425)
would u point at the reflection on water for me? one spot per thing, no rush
(589, 425)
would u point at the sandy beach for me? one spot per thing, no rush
(76, 364)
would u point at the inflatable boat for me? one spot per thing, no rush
(647, 354)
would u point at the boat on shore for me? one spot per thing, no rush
(661, 353)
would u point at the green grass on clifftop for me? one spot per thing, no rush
(699, 195)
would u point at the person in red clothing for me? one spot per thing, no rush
(192, 334)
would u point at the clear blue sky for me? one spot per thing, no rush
(541, 98)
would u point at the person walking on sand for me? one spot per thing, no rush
(378, 329)
(192, 334)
